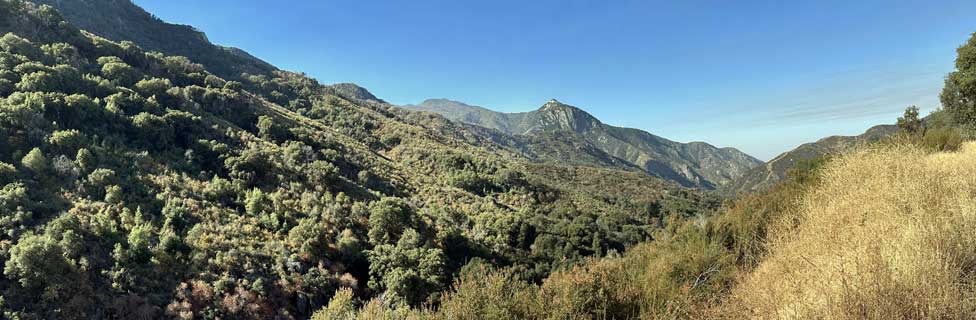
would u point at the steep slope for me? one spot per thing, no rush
(776, 170)
(694, 164)
(143, 185)
(121, 20)
(353, 91)
(887, 234)
(544, 147)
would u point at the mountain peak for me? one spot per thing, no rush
(555, 115)
(553, 104)
(352, 90)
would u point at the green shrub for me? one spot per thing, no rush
(943, 139)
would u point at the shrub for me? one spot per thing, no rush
(67, 141)
(489, 295)
(35, 161)
(341, 307)
(943, 139)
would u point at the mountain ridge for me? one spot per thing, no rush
(697, 164)
(776, 170)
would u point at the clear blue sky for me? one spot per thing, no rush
(762, 76)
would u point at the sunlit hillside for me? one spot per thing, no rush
(888, 234)
(147, 173)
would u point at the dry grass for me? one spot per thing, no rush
(889, 234)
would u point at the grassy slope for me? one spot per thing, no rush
(887, 235)
(775, 171)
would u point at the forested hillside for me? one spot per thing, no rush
(137, 184)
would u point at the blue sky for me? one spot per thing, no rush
(761, 76)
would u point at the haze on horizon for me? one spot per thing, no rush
(761, 76)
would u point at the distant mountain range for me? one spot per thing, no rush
(695, 164)
(539, 135)
(775, 171)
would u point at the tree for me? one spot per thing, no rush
(67, 141)
(64, 53)
(35, 161)
(959, 95)
(39, 81)
(15, 44)
(7, 172)
(38, 263)
(387, 220)
(410, 270)
(255, 202)
(269, 129)
(120, 73)
(154, 130)
(341, 307)
(153, 87)
(85, 159)
(322, 173)
(910, 121)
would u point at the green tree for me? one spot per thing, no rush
(154, 130)
(67, 141)
(341, 307)
(35, 161)
(410, 270)
(256, 202)
(120, 73)
(39, 264)
(387, 220)
(64, 53)
(85, 160)
(15, 44)
(270, 129)
(153, 87)
(909, 122)
(959, 95)
(7, 172)
(39, 81)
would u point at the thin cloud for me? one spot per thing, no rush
(892, 93)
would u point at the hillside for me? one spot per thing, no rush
(775, 171)
(121, 20)
(137, 184)
(695, 164)
(888, 234)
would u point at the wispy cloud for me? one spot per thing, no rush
(863, 96)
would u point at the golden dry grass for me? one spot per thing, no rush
(889, 234)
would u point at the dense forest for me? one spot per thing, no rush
(135, 184)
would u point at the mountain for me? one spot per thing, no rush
(139, 184)
(776, 170)
(353, 91)
(695, 164)
(122, 20)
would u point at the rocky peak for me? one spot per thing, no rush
(555, 115)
